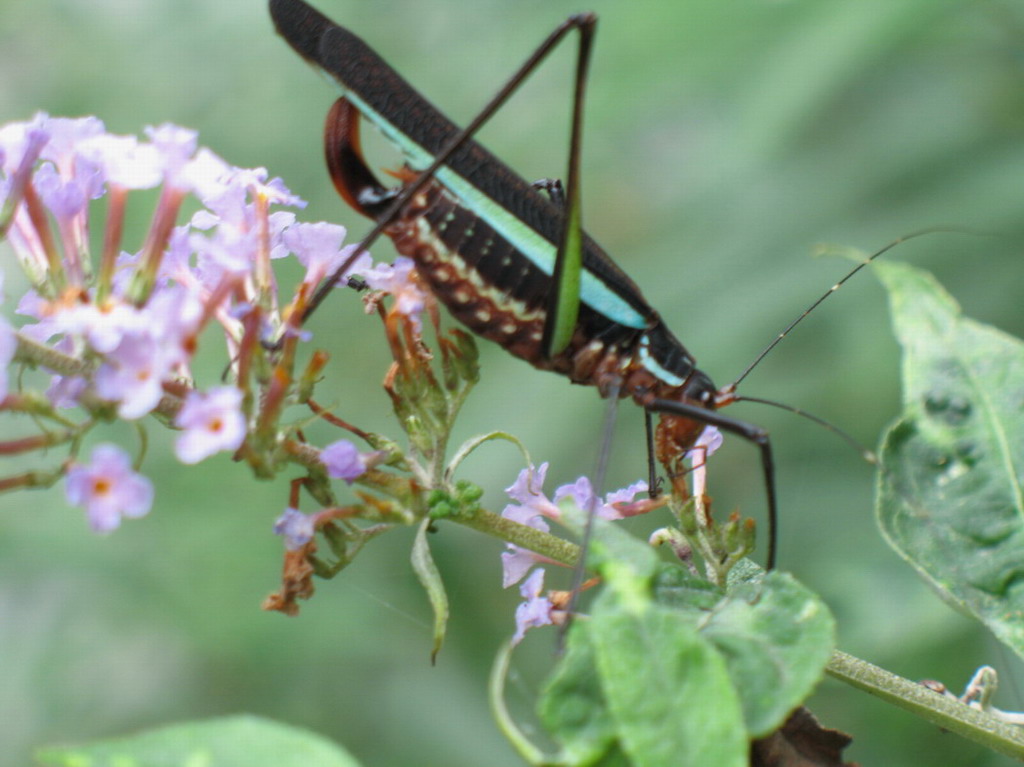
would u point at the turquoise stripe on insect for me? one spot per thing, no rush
(593, 292)
(654, 367)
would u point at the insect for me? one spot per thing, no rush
(492, 247)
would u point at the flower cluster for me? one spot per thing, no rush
(117, 330)
(116, 333)
(533, 508)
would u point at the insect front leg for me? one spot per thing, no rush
(748, 431)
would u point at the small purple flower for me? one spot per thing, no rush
(105, 327)
(318, 248)
(65, 197)
(528, 489)
(124, 161)
(534, 506)
(22, 142)
(625, 495)
(582, 494)
(707, 443)
(133, 374)
(66, 133)
(528, 484)
(515, 563)
(536, 610)
(254, 180)
(399, 280)
(212, 422)
(295, 527)
(228, 250)
(343, 460)
(175, 146)
(109, 489)
(64, 391)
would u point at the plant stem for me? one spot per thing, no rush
(948, 713)
(545, 544)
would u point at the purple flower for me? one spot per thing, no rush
(534, 506)
(707, 443)
(65, 197)
(64, 391)
(528, 484)
(21, 143)
(175, 146)
(536, 610)
(318, 248)
(123, 160)
(65, 135)
(133, 374)
(399, 280)
(343, 460)
(625, 495)
(109, 489)
(229, 192)
(228, 250)
(295, 527)
(212, 422)
(105, 327)
(515, 563)
(582, 494)
(254, 180)
(528, 490)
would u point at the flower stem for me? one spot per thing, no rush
(545, 544)
(948, 713)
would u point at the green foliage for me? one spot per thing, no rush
(950, 496)
(430, 578)
(237, 741)
(723, 139)
(670, 670)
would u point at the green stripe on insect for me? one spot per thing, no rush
(593, 292)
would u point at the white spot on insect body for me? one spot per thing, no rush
(448, 267)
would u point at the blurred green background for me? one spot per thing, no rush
(725, 139)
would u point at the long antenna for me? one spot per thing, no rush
(865, 453)
(899, 240)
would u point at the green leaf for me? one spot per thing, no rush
(430, 577)
(949, 495)
(687, 673)
(236, 741)
(667, 689)
(776, 637)
(572, 705)
(675, 587)
(627, 564)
